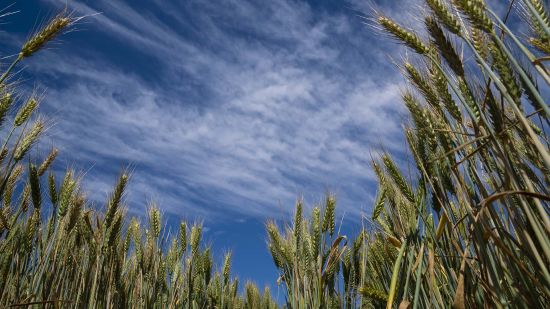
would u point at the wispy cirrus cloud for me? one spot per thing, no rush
(230, 106)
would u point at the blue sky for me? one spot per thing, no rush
(226, 111)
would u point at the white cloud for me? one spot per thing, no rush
(288, 112)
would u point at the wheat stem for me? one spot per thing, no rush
(539, 18)
(539, 67)
(10, 68)
(523, 75)
(542, 150)
(395, 274)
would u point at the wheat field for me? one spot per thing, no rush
(467, 225)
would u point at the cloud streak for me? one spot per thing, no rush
(237, 106)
